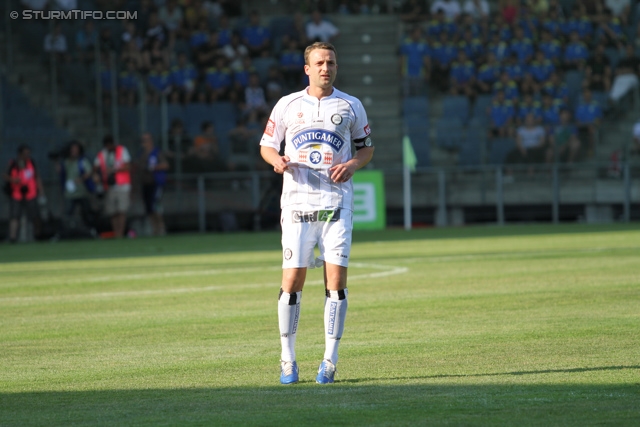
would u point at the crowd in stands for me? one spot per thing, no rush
(556, 63)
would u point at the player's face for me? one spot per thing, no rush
(322, 68)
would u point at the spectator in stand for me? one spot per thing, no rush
(25, 186)
(113, 164)
(580, 23)
(443, 53)
(598, 71)
(538, 6)
(414, 63)
(193, 12)
(128, 84)
(241, 76)
(499, 26)
(131, 53)
(635, 147)
(501, 114)
(274, 85)
(588, 115)
(541, 68)
(256, 37)
(86, 40)
(551, 109)
(155, 54)
(207, 53)
(472, 45)
(515, 69)
(154, 167)
(170, 15)
(34, 4)
(499, 48)
(508, 10)
(522, 46)
(463, 75)
(529, 105)
(159, 81)
(235, 52)
(319, 29)
(144, 9)
(297, 31)
(225, 32)
(105, 79)
(552, 23)
(55, 44)
(413, 12)
(183, 77)
(551, 47)
(156, 31)
(611, 32)
(245, 139)
(508, 86)
(488, 74)
(200, 35)
(576, 53)
(564, 143)
(219, 80)
(205, 146)
(107, 42)
(528, 85)
(557, 89)
(255, 102)
(479, 9)
(441, 24)
(131, 34)
(292, 62)
(530, 145)
(626, 77)
(451, 8)
(620, 9)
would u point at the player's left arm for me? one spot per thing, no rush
(343, 172)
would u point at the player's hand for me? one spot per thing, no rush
(281, 165)
(342, 172)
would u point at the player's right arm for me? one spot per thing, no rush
(274, 133)
(273, 157)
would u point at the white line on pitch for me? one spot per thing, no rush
(386, 270)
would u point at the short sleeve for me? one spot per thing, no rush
(360, 127)
(275, 129)
(636, 130)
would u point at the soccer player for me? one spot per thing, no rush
(318, 125)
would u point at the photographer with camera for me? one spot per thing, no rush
(23, 186)
(76, 178)
(113, 164)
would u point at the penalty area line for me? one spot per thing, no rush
(383, 271)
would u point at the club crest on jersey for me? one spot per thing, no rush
(336, 119)
(310, 136)
(315, 157)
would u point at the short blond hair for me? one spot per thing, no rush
(318, 45)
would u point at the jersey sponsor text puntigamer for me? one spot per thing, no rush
(317, 135)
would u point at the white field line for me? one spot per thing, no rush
(384, 271)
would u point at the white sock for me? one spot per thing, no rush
(335, 313)
(288, 315)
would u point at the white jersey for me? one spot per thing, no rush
(317, 135)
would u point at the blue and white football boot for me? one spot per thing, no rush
(288, 372)
(326, 372)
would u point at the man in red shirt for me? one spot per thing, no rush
(23, 187)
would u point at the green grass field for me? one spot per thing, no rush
(527, 325)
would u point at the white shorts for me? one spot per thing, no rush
(303, 230)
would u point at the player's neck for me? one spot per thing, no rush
(319, 92)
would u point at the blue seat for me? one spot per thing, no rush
(500, 148)
(472, 149)
(195, 114)
(421, 148)
(480, 106)
(449, 133)
(455, 106)
(415, 106)
(415, 124)
(262, 66)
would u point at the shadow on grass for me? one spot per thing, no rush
(339, 404)
(514, 373)
(187, 244)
